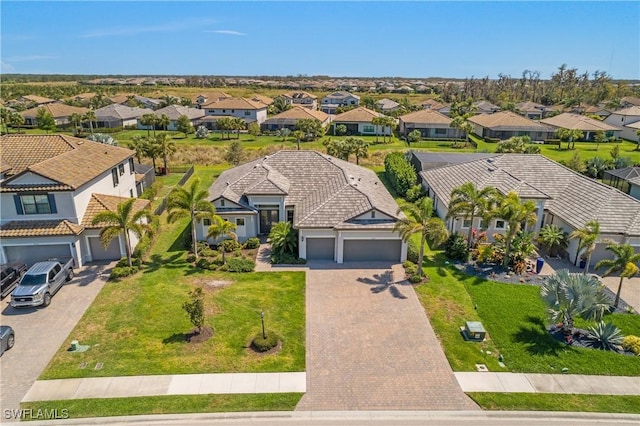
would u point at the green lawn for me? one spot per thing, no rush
(557, 402)
(170, 404)
(136, 326)
(515, 319)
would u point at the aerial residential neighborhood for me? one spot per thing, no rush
(203, 219)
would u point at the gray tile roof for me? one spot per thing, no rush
(431, 160)
(574, 198)
(326, 192)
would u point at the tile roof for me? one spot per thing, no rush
(633, 100)
(261, 99)
(432, 104)
(387, 103)
(57, 110)
(100, 203)
(66, 160)
(485, 106)
(175, 111)
(507, 120)
(575, 198)
(631, 174)
(530, 107)
(210, 96)
(327, 192)
(118, 99)
(341, 95)
(426, 116)
(632, 110)
(297, 113)
(235, 103)
(299, 95)
(38, 99)
(39, 228)
(120, 112)
(568, 120)
(357, 115)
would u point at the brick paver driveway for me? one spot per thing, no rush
(41, 331)
(370, 345)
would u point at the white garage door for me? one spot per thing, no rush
(32, 254)
(98, 251)
(372, 250)
(320, 248)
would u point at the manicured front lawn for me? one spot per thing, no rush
(137, 326)
(515, 318)
(170, 404)
(557, 402)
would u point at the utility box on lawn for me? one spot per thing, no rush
(473, 330)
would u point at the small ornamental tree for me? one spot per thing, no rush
(195, 308)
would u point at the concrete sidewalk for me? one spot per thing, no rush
(179, 384)
(548, 383)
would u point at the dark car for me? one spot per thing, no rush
(10, 273)
(7, 338)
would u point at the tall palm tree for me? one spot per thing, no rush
(238, 124)
(167, 148)
(138, 144)
(470, 202)
(190, 202)
(378, 122)
(298, 135)
(122, 221)
(152, 150)
(515, 213)
(76, 120)
(164, 121)
(420, 220)
(587, 238)
(221, 228)
(360, 149)
(149, 120)
(90, 116)
(625, 262)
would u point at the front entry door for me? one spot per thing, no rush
(268, 218)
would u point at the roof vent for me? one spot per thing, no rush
(228, 183)
(491, 169)
(489, 160)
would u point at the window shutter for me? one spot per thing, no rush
(52, 203)
(16, 199)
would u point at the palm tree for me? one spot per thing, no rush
(378, 122)
(360, 149)
(470, 202)
(638, 143)
(298, 135)
(139, 145)
(76, 120)
(569, 136)
(90, 116)
(420, 220)
(191, 202)
(587, 237)
(625, 262)
(460, 122)
(167, 148)
(152, 150)
(553, 238)
(122, 221)
(164, 121)
(149, 120)
(238, 124)
(221, 228)
(515, 213)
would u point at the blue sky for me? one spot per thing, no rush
(370, 39)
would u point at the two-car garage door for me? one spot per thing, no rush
(355, 250)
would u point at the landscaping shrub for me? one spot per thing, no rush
(412, 252)
(415, 193)
(231, 245)
(123, 271)
(455, 248)
(191, 258)
(240, 264)
(415, 279)
(208, 252)
(410, 268)
(252, 243)
(400, 172)
(632, 343)
(287, 259)
(203, 263)
(605, 336)
(151, 192)
(491, 140)
(143, 246)
(262, 345)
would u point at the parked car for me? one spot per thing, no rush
(41, 282)
(10, 274)
(7, 338)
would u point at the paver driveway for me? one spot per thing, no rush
(370, 345)
(41, 331)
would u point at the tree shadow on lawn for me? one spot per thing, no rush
(178, 243)
(157, 262)
(384, 281)
(536, 339)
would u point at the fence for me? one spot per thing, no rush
(188, 173)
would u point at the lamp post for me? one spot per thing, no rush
(264, 336)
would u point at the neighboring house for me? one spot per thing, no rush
(60, 113)
(83, 98)
(342, 211)
(434, 105)
(300, 98)
(432, 125)
(485, 107)
(290, 118)
(387, 105)
(623, 118)
(250, 111)
(53, 187)
(30, 101)
(207, 98)
(531, 110)
(563, 197)
(598, 111)
(431, 160)
(174, 112)
(145, 177)
(359, 122)
(261, 99)
(210, 122)
(335, 100)
(587, 125)
(629, 101)
(506, 124)
(148, 102)
(117, 115)
(626, 180)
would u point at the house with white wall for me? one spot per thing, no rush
(623, 118)
(117, 115)
(300, 98)
(250, 111)
(359, 121)
(342, 211)
(335, 100)
(52, 186)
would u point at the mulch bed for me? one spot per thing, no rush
(271, 351)
(577, 339)
(194, 337)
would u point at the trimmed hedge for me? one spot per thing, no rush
(400, 173)
(123, 271)
(240, 264)
(252, 243)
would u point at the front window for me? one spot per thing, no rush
(206, 222)
(131, 167)
(35, 204)
(121, 169)
(500, 224)
(368, 129)
(240, 221)
(114, 176)
(290, 216)
(466, 223)
(247, 113)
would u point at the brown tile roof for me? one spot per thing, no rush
(211, 96)
(507, 120)
(432, 104)
(633, 100)
(298, 113)
(261, 98)
(568, 120)
(235, 103)
(299, 94)
(57, 110)
(100, 203)
(66, 160)
(426, 116)
(118, 99)
(357, 115)
(175, 111)
(39, 228)
(529, 106)
(37, 99)
(632, 110)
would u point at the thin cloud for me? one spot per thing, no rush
(163, 28)
(6, 68)
(29, 58)
(227, 32)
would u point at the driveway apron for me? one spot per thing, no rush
(370, 345)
